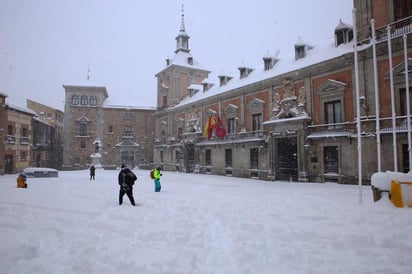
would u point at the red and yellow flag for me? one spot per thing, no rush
(208, 130)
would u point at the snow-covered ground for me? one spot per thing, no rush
(198, 224)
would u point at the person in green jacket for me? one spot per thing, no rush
(156, 175)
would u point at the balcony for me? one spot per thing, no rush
(82, 134)
(346, 129)
(10, 139)
(25, 141)
(397, 29)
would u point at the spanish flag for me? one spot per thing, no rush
(208, 130)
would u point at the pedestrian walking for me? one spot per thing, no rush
(126, 181)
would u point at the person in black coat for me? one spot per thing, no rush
(92, 172)
(126, 182)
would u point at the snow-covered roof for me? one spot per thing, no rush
(343, 25)
(318, 54)
(37, 118)
(129, 107)
(195, 87)
(19, 108)
(182, 58)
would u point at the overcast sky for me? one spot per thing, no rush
(45, 44)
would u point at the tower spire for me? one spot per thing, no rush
(182, 24)
(88, 72)
(182, 40)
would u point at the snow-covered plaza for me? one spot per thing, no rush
(198, 224)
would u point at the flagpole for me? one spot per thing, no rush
(376, 85)
(408, 107)
(358, 125)
(395, 154)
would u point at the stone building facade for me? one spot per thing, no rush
(120, 134)
(16, 130)
(47, 148)
(3, 123)
(294, 119)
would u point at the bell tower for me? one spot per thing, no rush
(182, 40)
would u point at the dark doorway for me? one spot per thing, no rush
(405, 158)
(190, 158)
(286, 159)
(8, 167)
(331, 159)
(127, 158)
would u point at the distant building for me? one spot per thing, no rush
(121, 134)
(16, 128)
(3, 128)
(47, 146)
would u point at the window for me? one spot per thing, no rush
(333, 112)
(403, 102)
(23, 156)
(178, 155)
(164, 100)
(10, 130)
(83, 129)
(75, 100)
(299, 52)
(127, 116)
(83, 144)
(343, 36)
(402, 9)
(110, 129)
(24, 131)
(179, 132)
(128, 130)
(208, 157)
(84, 101)
(231, 126)
(256, 122)
(331, 160)
(163, 136)
(228, 158)
(93, 100)
(254, 158)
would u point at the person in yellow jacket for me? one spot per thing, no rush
(156, 175)
(21, 181)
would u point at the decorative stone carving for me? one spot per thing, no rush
(193, 121)
(290, 105)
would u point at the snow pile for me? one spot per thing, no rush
(198, 224)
